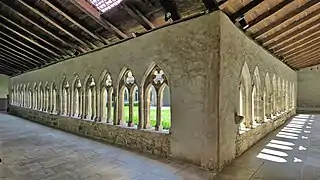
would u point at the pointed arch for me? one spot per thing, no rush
(106, 107)
(54, 98)
(257, 109)
(244, 108)
(89, 101)
(274, 95)
(268, 97)
(35, 96)
(65, 97)
(126, 83)
(76, 104)
(155, 86)
(40, 96)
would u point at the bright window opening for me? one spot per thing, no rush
(105, 5)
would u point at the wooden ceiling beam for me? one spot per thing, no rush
(10, 68)
(299, 43)
(137, 15)
(17, 56)
(19, 61)
(21, 49)
(284, 18)
(307, 60)
(15, 64)
(293, 34)
(245, 9)
(95, 15)
(304, 49)
(316, 62)
(48, 32)
(49, 20)
(22, 55)
(71, 20)
(35, 36)
(269, 13)
(30, 40)
(297, 59)
(24, 45)
(287, 28)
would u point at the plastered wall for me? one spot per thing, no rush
(309, 89)
(236, 49)
(188, 54)
(4, 90)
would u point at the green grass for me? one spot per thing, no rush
(165, 116)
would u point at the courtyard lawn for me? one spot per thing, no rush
(165, 116)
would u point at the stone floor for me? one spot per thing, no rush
(291, 152)
(31, 151)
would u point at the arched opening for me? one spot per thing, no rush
(106, 99)
(126, 87)
(65, 93)
(279, 96)
(77, 97)
(30, 98)
(46, 98)
(257, 105)
(54, 98)
(274, 96)
(35, 96)
(267, 99)
(157, 112)
(244, 103)
(90, 101)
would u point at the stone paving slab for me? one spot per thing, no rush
(31, 151)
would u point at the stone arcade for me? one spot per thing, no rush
(202, 89)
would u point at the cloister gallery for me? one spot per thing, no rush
(194, 82)
(259, 101)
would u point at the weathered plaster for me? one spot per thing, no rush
(188, 54)
(236, 49)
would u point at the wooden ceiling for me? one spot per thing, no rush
(37, 33)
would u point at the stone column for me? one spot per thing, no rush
(109, 105)
(158, 126)
(131, 105)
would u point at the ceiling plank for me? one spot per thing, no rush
(269, 13)
(24, 45)
(17, 56)
(38, 26)
(27, 58)
(315, 62)
(95, 15)
(15, 64)
(287, 28)
(35, 36)
(293, 34)
(34, 10)
(137, 15)
(15, 60)
(28, 52)
(10, 68)
(294, 45)
(30, 40)
(71, 20)
(245, 9)
(304, 50)
(284, 18)
(298, 58)
(307, 60)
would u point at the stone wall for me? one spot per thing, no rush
(202, 59)
(139, 140)
(236, 49)
(188, 53)
(4, 91)
(309, 90)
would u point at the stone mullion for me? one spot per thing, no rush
(141, 108)
(121, 120)
(109, 105)
(158, 126)
(131, 105)
(98, 105)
